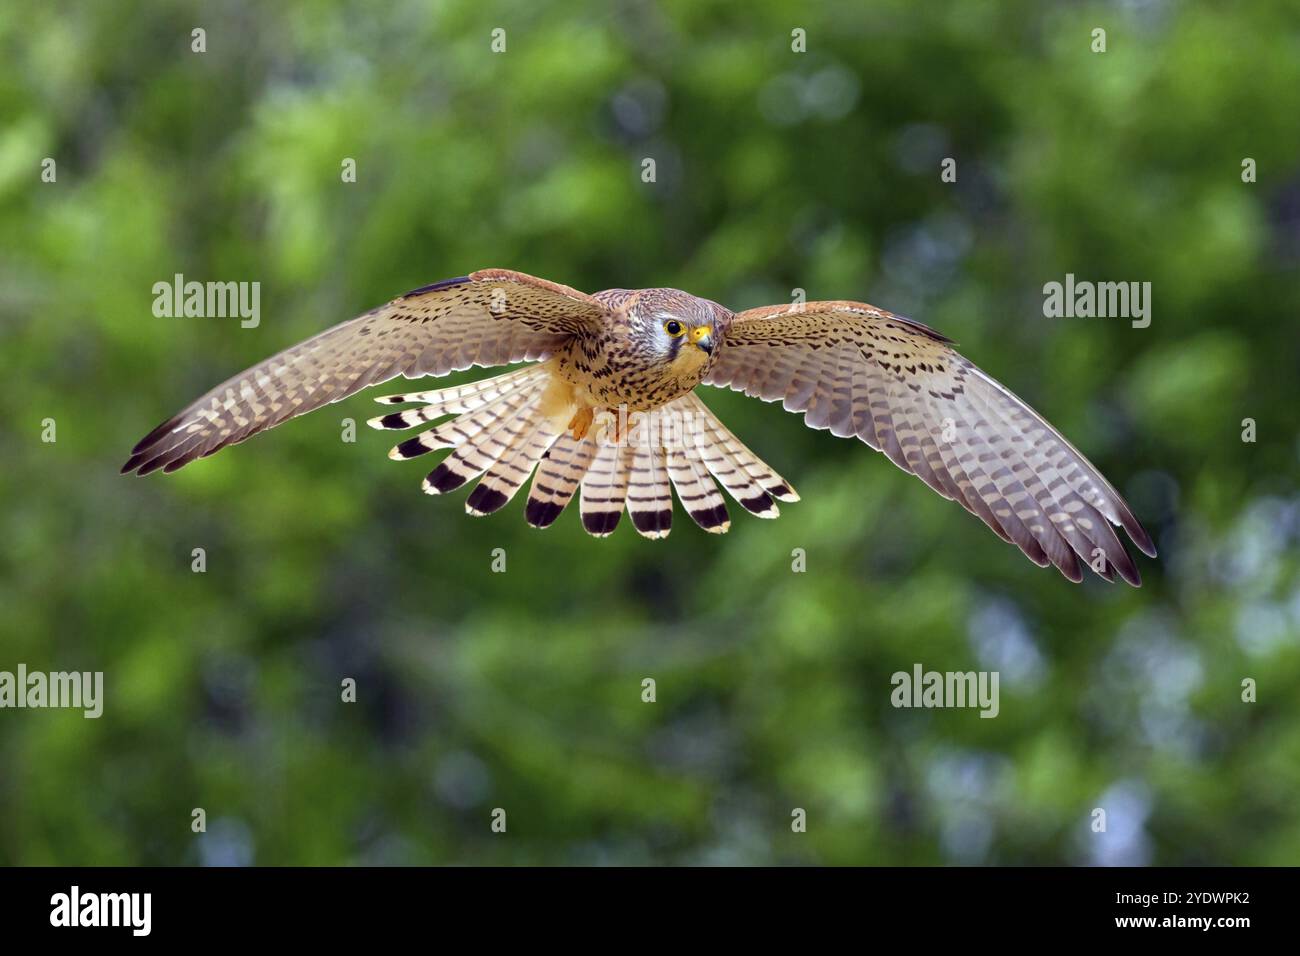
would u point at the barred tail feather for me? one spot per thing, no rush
(697, 490)
(506, 428)
(649, 495)
(495, 436)
(504, 479)
(747, 478)
(465, 429)
(604, 489)
(456, 399)
(558, 476)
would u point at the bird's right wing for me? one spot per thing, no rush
(492, 317)
(901, 388)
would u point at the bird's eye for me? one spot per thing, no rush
(673, 328)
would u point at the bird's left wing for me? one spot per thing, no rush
(492, 317)
(900, 387)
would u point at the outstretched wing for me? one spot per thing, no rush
(492, 317)
(901, 388)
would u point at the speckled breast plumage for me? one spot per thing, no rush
(614, 368)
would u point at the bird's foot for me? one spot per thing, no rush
(580, 424)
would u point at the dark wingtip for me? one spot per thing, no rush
(177, 464)
(444, 284)
(1069, 566)
(1132, 575)
(154, 464)
(140, 454)
(1140, 537)
(1107, 572)
(154, 435)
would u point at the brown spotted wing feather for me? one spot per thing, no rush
(902, 389)
(492, 317)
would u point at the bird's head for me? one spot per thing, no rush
(675, 330)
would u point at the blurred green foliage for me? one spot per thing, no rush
(775, 171)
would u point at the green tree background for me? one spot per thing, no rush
(776, 170)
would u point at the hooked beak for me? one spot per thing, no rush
(702, 336)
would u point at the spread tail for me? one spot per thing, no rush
(506, 427)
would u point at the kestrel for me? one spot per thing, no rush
(612, 371)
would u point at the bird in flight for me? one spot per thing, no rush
(609, 410)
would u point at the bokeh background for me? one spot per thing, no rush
(775, 171)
